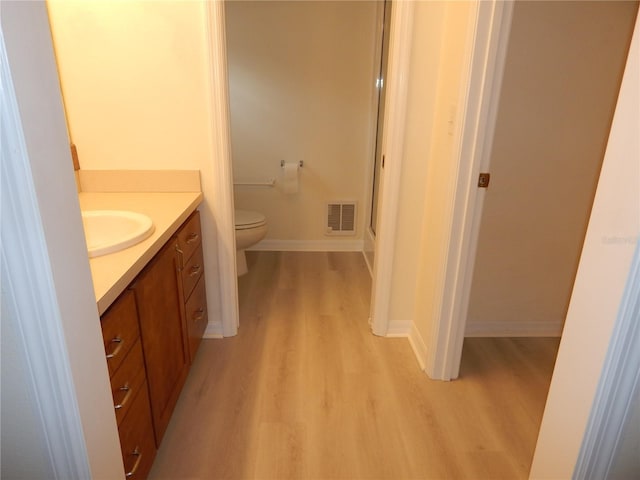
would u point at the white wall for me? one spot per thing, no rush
(301, 80)
(562, 74)
(428, 29)
(611, 239)
(134, 77)
(438, 49)
(28, 40)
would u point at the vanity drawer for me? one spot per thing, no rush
(196, 316)
(191, 272)
(190, 236)
(127, 381)
(136, 437)
(119, 330)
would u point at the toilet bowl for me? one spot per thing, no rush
(251, 227)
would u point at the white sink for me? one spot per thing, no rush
(109, 231)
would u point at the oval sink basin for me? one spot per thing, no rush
(109, 231)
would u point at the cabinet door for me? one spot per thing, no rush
(119, 330)
(162, 335)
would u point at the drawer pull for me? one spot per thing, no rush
(136, 453)
(195, 270)
(193, 237)
(198, 315)
(120, 343)
(125, 388)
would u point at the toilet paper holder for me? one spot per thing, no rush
(300, 163)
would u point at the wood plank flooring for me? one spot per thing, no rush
(305, 391)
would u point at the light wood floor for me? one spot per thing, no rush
(306, 391)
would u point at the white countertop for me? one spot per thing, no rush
(112, 273)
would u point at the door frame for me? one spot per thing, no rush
(480, 88)
(392, 148)
(612, 405)
(480, 92)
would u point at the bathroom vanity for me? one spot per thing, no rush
(151, 334)
(153, 327)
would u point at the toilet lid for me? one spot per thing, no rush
(248, 219)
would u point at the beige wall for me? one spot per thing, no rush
(134, 78)
(610, 242)
(440, 175)
(439, 36)
(562, 72)
(427, 46)
(135, 83)
(301, 86)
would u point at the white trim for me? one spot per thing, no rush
(367, 260)
(479, 97)
(407, 329)
(213, 330)
(27, 282)
(308, 246)
(620, 377)
(419, 346)
(399, 328)
(514, 329)
(222, 194)
(392, 143)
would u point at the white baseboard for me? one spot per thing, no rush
(407, 329)
(309, 245)
(369, 249)
(514, 329)
(418, 346)
(399, 328)
(213, 330)
(368, 261)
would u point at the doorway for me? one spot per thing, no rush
(556, 105)
(444, 347)
(300, 90)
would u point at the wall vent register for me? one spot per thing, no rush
(341, 218)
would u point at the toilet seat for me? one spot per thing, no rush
(246, 219)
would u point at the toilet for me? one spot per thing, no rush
(251, 227)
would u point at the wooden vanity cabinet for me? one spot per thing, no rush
(163, 339)
(151, 333)
(123, 349)
(193, 296)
